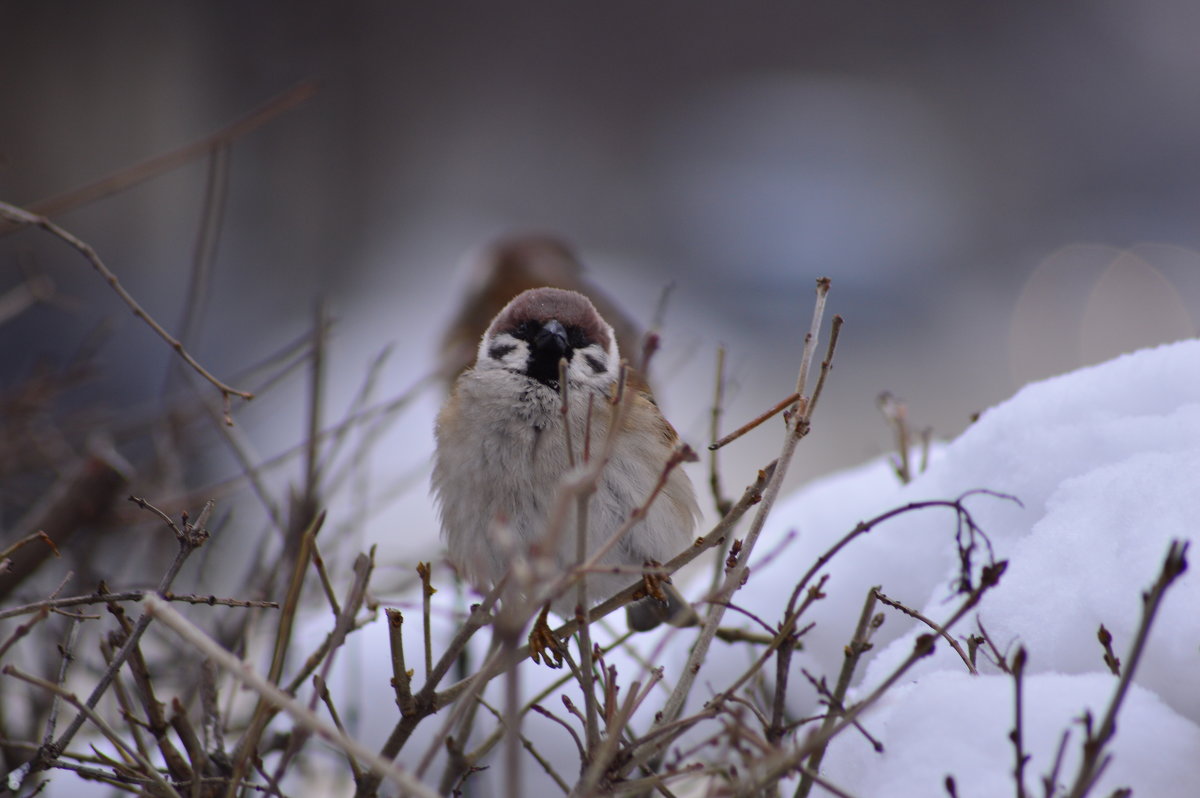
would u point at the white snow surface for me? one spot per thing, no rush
(1105, 464)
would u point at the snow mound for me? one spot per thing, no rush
(1105, 463)
(953, 724)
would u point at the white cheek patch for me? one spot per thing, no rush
(592, 365)
(503, 352)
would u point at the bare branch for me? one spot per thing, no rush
(1095, 742)
(912, 613)
(247, 675)
(797, 427)
(714, 474)
(755, 422)
(160, 164)
(859, 645)
(86, 712)
(1018, 733)
(15, 214)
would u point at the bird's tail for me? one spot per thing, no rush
(645, 614)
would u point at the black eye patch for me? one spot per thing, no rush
(498, 351)
(596, 364)
(526, 330)
(576, 338)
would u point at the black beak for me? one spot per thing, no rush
(551, 340)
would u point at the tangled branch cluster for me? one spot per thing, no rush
(220, 698)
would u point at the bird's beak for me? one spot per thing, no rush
(551, 339)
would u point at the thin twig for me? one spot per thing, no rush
(923, 646)
(1050, 780)
(401, 676)
(428, 700)
(750, 497)
(582, 605)
(23, 629)
(88, 713)
(197, 756)
(156, 719)
(1018, 732)
(190, 538)
(1111, 660)
(204, 254)
(1094, 744)
(823, 783)
(999, 659)
(363, 565)
(835, 707)
(326, 583)
(564, 396)
(737, 574)
(160, 164)
(425, 572)
(835, 331)
(859, 645)
(912, 613)
(65, 651)
(322, 690)
(265, 709)
(124, 702)
(512, 737)
(991, 574)
(721, 502)
(214, 735)
(460, 720)
(316, 402)
(602, 756)
(249, 676)
(20, 216)
(755, 422)
(783, 661)
(132, 595)
(490, 742)
(8, 551)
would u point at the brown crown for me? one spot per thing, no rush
(570, 308)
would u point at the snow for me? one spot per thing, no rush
(950, 723)
(1105, 463)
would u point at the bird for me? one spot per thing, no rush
(505, 267)
(502, 451)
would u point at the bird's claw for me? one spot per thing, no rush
(652, 582)
(544, 645)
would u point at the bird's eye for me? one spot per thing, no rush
(526, 330)
(576, 338)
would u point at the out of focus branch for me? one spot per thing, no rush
(160, 164)
(23, 217)
(247, 675)
(80, 500)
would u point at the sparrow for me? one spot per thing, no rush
(505, 268)
(502, 452)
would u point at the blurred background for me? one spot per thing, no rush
(1000, 192)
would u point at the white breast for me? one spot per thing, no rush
(501, 459)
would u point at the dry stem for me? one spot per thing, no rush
(15, 214)
(272, 695)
